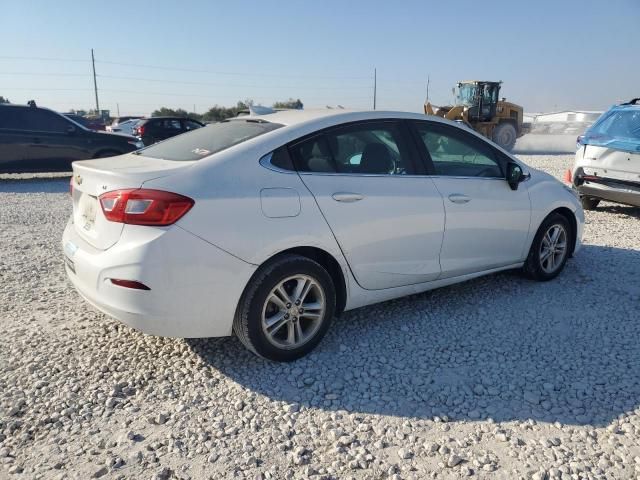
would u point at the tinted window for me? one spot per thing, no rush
(8, 116)
(208, 140)
(168, 124)
(280, 158)
(457, 153)
(368, 148)
(34, 120)
(191, 125)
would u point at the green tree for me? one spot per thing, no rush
(4, 100)
(291, 103)
(169, 112)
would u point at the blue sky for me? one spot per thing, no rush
(551, 55)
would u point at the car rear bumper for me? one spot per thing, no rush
(614, 190)
(194, 286)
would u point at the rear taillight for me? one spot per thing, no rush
(144, 206)
(140, 130)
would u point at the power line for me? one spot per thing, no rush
(192, 70)
(218, 72)
(45, 59)
(45, 74)
(181, 82)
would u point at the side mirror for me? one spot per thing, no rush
(71, 130)
(515, 175)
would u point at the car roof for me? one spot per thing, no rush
(337, 116)
(167, 118)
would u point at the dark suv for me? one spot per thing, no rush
(34, 139)
(152, 130)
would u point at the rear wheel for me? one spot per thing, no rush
(286, 309)
(550, 248)
(589, 203)
(505, 135)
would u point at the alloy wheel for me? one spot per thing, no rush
(293, 312)
(553, 248)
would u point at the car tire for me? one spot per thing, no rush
(589, 203)
(548, 254)
(286, 308)
(505, 135)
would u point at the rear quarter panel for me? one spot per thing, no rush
(230, 211)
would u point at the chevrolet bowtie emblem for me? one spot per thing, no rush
(78, 179)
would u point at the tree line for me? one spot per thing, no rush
(218, 113)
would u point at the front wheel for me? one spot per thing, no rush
(286, 308)
(505, 135)
(550, 249)
(589, 203)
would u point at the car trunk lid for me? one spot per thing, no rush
(92, 178)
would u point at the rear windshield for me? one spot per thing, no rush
(619, 123)
(618, 128)
(208, 140)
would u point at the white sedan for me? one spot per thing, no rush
(268, 226)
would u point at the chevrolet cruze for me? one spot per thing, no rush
(267, 226)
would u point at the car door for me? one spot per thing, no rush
(487, 223)
(170, 128)
(13, 139)
(55, 141)
(387, 220)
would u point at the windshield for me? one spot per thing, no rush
(617, 128)
(208, 140)
(466, 94)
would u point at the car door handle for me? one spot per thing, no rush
(347, 197)
(459, 198)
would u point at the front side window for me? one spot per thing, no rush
(369, 148)
(208, 140)
(456, 153)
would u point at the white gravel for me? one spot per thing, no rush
(499, 377)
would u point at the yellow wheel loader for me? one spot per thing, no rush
(478, 106)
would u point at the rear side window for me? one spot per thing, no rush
(32, 119)
(208, 140)
(367, 148)
(191, 125)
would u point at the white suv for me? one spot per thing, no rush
(607, 165)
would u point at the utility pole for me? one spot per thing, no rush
(118, 108)
(95, 84)
(375, 86)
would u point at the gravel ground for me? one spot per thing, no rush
(499, 377)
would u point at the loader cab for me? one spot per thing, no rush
(480, 98)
